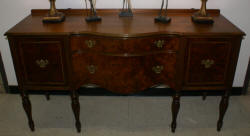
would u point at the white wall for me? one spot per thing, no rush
(12, 11)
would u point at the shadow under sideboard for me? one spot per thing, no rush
(148, 92)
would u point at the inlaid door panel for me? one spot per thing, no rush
(207, 62)
(42, 62)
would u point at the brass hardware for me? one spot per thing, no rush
(92, 69)
(42, 63)
(159, 43)
(158, 69)
(207, 63)
(90, 43)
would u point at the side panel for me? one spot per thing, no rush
(40, 62)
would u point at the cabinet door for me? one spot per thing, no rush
(207, 61)
(41, 61)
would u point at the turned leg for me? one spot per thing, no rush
(76, 109)
(223, 108)
(204, 97)
(47, 95)
(175, 110)
(27, 109)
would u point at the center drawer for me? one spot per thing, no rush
(100, 44)
(124, 74)
(124, 65)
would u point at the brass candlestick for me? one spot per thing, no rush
(53, 16)
(202, 16)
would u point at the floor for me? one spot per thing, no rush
(123, 116)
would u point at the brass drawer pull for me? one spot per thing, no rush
(90, 43)
(42, 63)
(207, 63)
(92, 69)
(159, 43)
(158, 69)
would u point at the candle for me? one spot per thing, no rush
(129, 4)
(94, 4)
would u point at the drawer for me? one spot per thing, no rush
(127, 45)
(125, 74)
(151, 44)
(207, 61)
(41, 61)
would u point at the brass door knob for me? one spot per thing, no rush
(158, 69)
(42, 63)
(159, 43)
(92, 69)
(90, 43)
(207, 63)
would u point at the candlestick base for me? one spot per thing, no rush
(162, 19)
(57, 18)
(93, 19)
(126, 14)
(198, 18)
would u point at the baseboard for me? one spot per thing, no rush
(147, 92)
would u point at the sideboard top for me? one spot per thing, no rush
(112, 25)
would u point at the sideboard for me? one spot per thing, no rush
(125, 55)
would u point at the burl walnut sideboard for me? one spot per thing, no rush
(125, 55)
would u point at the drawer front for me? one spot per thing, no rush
(42, 61)
(124, 74)
(127, 45)
(207, 61)
(151, 44)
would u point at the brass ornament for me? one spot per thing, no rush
(202, 16)
(207, 63)
(159, 43)
(53, 16)
(90, 43)
(42, 63)
(158, 69)
(92, 69)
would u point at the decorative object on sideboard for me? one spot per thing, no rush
(163, 18)
(53, 16)
(202, 16)
(92, 16)
(126, 9)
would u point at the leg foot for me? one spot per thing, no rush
(223, 108)
(76, 109)
(175, 110)
(47, 95)
(27, 109)
(204, 97)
